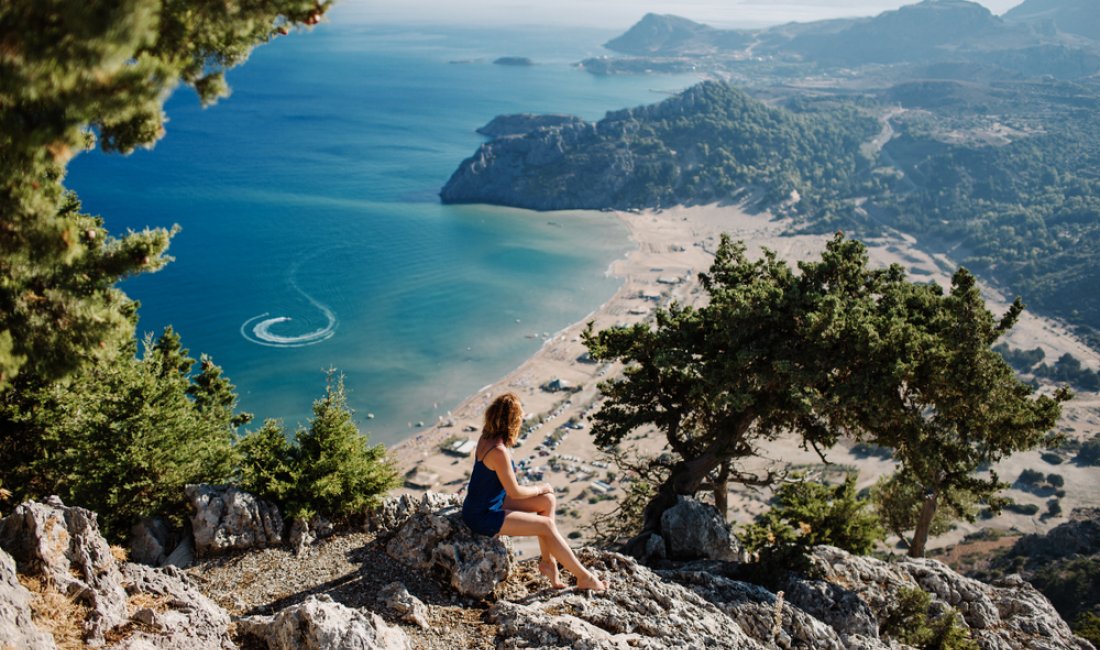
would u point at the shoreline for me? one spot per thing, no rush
(671, 247)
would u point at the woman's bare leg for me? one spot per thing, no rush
(545, 505)
(528, 524)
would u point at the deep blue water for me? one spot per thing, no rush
(310, 194)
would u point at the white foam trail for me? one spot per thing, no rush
(258, 328)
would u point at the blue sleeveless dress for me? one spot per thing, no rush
(483, 509)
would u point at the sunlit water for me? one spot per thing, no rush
(312, 232)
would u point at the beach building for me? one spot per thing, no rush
(557, 384)
(460, 447)
(421, 480)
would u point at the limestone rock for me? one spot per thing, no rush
(640, 610)
(388, 516)
(1009, 615)
(319, 623)
(226, 518)
(151, 540)
(181, 617)
(441, 542)
(397, 599)
(17, 629)
(692, 529)
(754, 609)
(301, 537)
(64, 546)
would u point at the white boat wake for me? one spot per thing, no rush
(258, 328)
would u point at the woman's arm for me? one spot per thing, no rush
(500, 461)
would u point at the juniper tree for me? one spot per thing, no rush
(838, 349)
(72, 73)
(772, 352)
(121, 438)
(948, 403)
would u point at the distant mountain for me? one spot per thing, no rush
(1080, 17)
(657, 35)
(1031, 39)
(929, 30)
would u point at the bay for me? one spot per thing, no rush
(312, 235)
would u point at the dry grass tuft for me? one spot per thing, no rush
(147, 601)
(56, 613)
(120, 554)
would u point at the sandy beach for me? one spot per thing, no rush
(672, 247)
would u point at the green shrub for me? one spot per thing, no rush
(1087, 626)
(806, 514)
(1056, 480)
(1030, 477)
(122, 436)
(1022, 508)
(330, 470)
(1089, 454)
(912, 619)
(268, 463)
(1051, 457)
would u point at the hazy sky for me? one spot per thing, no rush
(616, 14)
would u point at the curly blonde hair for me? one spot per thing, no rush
(503, 419)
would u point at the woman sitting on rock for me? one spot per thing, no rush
(496, 504)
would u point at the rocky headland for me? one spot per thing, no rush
(412, 577)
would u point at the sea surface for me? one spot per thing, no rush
(312, 235)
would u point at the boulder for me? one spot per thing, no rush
(319, 623)
(63, 546)
(226, 518)
(397, 599)
(441, 542)
(176, 615)
(17, 628)
(692, 529)
(183, 555)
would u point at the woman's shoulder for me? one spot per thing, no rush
(494, 451)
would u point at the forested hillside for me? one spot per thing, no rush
(703, 145)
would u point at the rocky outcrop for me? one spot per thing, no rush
(520, 123)
(226, 518)
(319, 623)
(171, 613)
(702, 609)
(125, 605)
(440, 542)
(63, 547)
(17, 628)
(1078, 536)
(640, 610)
(1008, 615)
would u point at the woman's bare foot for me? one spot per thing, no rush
(550, 571)
(590, 583)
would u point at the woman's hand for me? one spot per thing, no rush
(546, 488)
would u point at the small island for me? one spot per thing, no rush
(514, 60)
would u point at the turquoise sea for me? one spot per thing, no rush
(312, 233)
